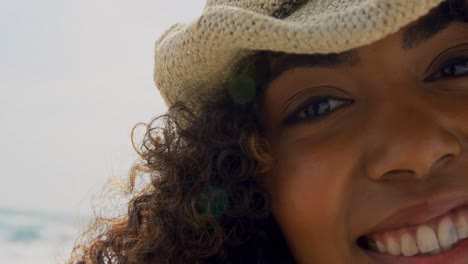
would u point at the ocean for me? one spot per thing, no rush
(28, 237)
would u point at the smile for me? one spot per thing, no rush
(436, 236)
(429, 230)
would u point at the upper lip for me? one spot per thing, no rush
(420, 211)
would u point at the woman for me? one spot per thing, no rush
(304, 132)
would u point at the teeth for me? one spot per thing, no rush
(431, 238)
(462, 227)
(376, 246)
(447, 233)
(381, 247)
(372, 245)
(408, 245)
(393, 247)
(426, 239)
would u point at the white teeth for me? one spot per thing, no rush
(408, 245)
(426, 239)
(381, 247)
(393, 247)
(435, 252)
(462, 227)
(376, 246)
(447, 233)
(372, 245)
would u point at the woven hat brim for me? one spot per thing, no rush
(194, 61)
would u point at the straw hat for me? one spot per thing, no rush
(193, 62)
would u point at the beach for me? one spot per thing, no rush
(28, 237)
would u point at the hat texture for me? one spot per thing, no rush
(193, 62)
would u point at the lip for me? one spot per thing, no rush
(420, 211)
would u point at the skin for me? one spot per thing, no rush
(402, 138)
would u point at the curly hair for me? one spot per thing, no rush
(205, 202)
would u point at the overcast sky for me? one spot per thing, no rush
(75, 76)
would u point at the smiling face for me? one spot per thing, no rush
(371, 147)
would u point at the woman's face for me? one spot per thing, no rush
(372, 146)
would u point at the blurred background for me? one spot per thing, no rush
(75, 77)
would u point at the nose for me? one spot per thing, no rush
(405, 142)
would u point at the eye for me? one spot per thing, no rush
(316, 108)
(455, 69)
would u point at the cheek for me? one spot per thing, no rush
(303, 182)
(310, 187)
(455, 114)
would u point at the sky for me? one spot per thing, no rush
(75, 77)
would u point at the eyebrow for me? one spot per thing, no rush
(279, 63)
(417, 33)
(425, 28)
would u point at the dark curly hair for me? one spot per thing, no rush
(205, 202)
